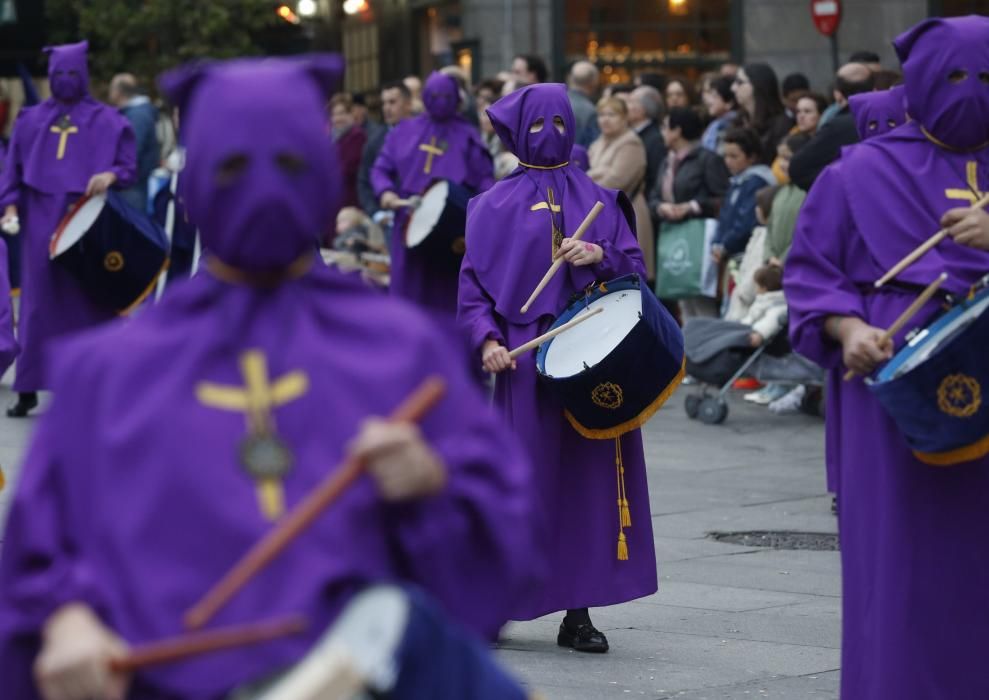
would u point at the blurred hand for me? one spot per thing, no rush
(717, 253)
(863, 348)
(495, 357)
(389, 200)
(673, 212)
(755, 339)
(75, 657)
(968, 226)
(579, 253)
(399, 460)
(100, 183)
(9, 221)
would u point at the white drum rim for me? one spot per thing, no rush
(614, 328)
(922, 355)
(424, 218)
(77, 223)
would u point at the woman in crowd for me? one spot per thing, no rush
(678, 93)
(719, 100)
(350, 139)
(758, 95)
(809, 110)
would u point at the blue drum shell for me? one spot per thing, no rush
(942, 405)
(118, 260)
(621, 392)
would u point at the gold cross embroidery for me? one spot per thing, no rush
(552, 207)
(63, 130)
(973, 194)
(433, 150)
(256, 400)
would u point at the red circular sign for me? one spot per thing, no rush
(826, 15)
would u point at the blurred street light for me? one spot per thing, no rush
(307, 8)
(353, 7)
(286, 13)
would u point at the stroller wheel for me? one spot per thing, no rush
(692, 405)
(713, 410)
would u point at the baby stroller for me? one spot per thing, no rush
(719, 353)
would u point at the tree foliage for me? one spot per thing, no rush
(145, 37)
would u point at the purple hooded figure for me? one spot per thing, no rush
(437, 145)
(912, 536)
(154, 470)
(878, 112)
(60, 149)
(513, 231)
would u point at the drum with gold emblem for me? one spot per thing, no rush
(613, 371)
(935, 388)
(115, 251)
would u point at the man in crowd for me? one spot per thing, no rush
(396, 105)
(645, 112)
(126, 96)
(840, 131)
(529, 69)
(582, 86)
(68, 146)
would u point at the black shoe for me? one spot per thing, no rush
(26, 402)
(582, 638)
(834, 505)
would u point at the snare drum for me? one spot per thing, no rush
(114, 251)
(936, 388)
(437, 225)
(613, 371)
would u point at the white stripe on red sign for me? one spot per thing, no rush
(825, 8)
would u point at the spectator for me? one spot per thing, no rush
(742, 269)
(655, 80)
(886, 79)
(137, 108)
(810, 107)
(794, 86)
(645, 107)
(530, 69)
(767, 315)
(618, 161)
(729, 70)
(738, 217)
(758, 97)
(350, 139)
(582, 84)
(396, 105)
(414, 85)
(782, 215)
(468, 107)
(870, 59)
(833, 135)
(691, 182)
(719, 100)
(679, 93)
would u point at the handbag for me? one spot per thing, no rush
(684, 267)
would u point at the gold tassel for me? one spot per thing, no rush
(622, 547)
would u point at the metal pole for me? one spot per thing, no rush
(834, 51)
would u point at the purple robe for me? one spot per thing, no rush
(508, 250)
(912, 536)
(878, 112)
(136, 502)
(44, 174)
(404, 166)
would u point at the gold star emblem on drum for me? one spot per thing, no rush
(959, 395)
(608, 395)
(114, 261)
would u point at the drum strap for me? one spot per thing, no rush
(624, 515)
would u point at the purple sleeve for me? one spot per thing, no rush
(125, 161)
(816, 281)
(475, 309)
(476, 529)
(622, 254)
(384, 172)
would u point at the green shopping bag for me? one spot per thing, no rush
(683, 259)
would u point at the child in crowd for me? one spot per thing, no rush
(737, 219)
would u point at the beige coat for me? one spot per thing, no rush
(620, 163)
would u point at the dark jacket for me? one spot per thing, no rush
(823, 149)
(365, 192)
(702, 177)
(143, 118)
(655, 153)
(350, 146)
(737, 218)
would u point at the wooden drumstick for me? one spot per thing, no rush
(585, 224)
(185, 646)
(536, 342)
(905, 317)
(923, 248)
(295, 522)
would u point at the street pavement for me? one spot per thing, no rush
(728, 621)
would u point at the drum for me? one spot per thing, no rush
(437, 225)
(613, 371)
(114, 251)
(935, 387)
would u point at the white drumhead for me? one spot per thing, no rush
(79, 224)
(425, 217)
(591, 341)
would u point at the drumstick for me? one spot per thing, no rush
(905, 317)
(295, 522)
(585, 224)
(923, 248)
(536, 342)
(184, 646)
